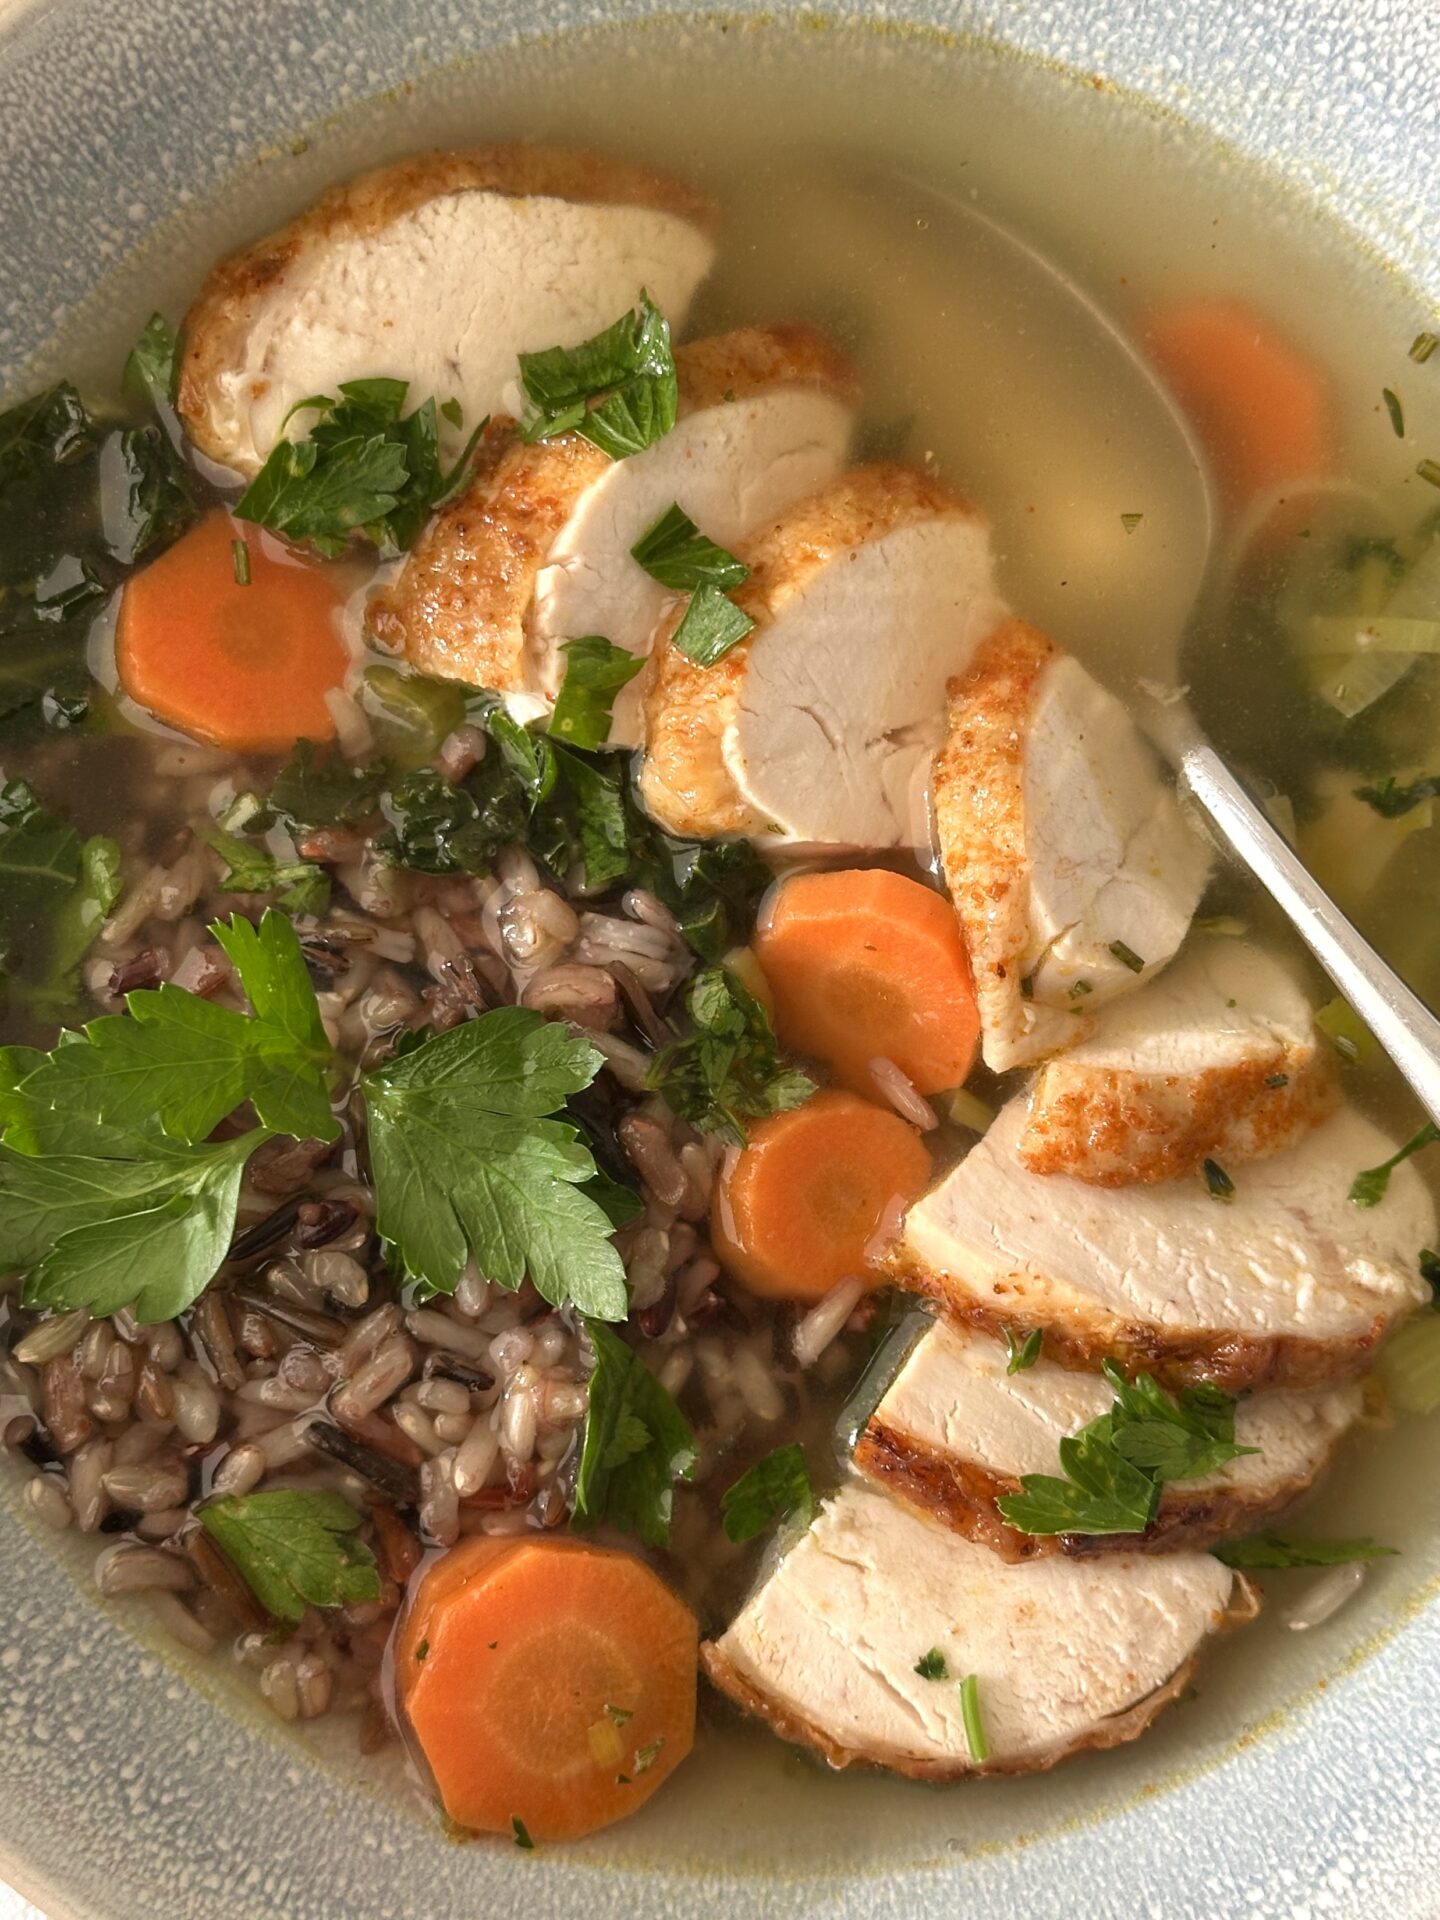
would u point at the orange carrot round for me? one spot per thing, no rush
(548, 1682)
(1262, 411)
(804, 1204)
(245, 667)
(869, 965)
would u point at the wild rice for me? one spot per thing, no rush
(584, 994)
(442, 1396)
(510, 1350)
(46, 1499)
(519, 1416)
(434, 1329)
(280, 1687)
(643, 906)
(339, 1275)
(823, 1322)
(389, 1367)
(367, 1335)
(439, 1504)
(147, 1488)
(629, 1066)
(417, 1425)
(474, 1458)
(240, 1471)
(63, 1401)
(282, 1446)
(1324, 1597)
(87, 1483)
(197, 1405)
(127, 1569)
(50, 1339)
(179, 1622)
(900, 1091)
(472, 1294)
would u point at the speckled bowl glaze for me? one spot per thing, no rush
(131, 1785)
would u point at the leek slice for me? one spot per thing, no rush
(1410, 1366)
(1386, 632)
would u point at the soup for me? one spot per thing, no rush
(433, 885)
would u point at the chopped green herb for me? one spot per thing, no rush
(422, 1650)
(974, 1724)
(646, 1756)
(1422, 346)
(153, 364)
(1115, 1466)
(679, 556)
(1219, 1183)
(145, 493)
(1024, 1354)
(294, 1549)
(1345, 1030)
(1130, 521)
(636, 1445)
(1395, 411)
(932, 1665)
(466, 1161)
(1027, 986)
(968, 1110)
(299, 886)
(1269, 1550)
(1430, 1270)
(452, 413)
(55, 891)
(1391, 800)
(1277, 1080)
(1369, 1188)
(1127, 956)
(727, 1069)
(621, 1716)
(521, 1833)
(1429, 470)
(1409, 1366)
(630, 364)
(317, 787)
(365, 467)
(595, 671)
(712, 625)
(1080, 988)
(773, 1489)
(240, 560)
(50, 429)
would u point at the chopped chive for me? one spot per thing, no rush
(1127, 956)
(646, 1756)
(1277, 1079)
(974, 1726)
(1025, 1354)
(1027, 986)
(1423, 345)
(521, 1833)
(620, 1715)
(1395, 411)
(1221, 1186)
(240, 559)
(452, 411)
(1429, 470)
(422, 1649)
(931, 1665)
(1080, 988)
(1130, 521)
(1368, 1189)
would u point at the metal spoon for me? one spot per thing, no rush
(1398, 1018)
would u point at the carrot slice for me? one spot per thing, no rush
(556, 1688)
(1261, 409)
(801, 1206)
(244, 667)
(866, 965)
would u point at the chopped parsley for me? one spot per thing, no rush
(1395, 411)
(972, 1719)
(646, 1756)
(1218, 1183)
(595, 671)
(635, 1446)
(521, 1833)
(773, 1489)
(55, 891)
(1429, 470)
(1422, 346)
(1391, 800)
(932, 1666)
(1114, 1467)
(711, 626)
(1127, 956)
(1277, 1080)
(317, 787)
(422, 1651)
(299, 886)
(679, 556)
(365, 466)
(1430, 1271)
(1369, 1188)
(294, 1550)
(153, 367)
(1130, 521)
(727, 1069)
(1025, 1353)
(1080, 988)
(617, 389)
(240, 562)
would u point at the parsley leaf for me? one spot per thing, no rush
(775, 1487)
(1369, 1188)
(294, 1549)
(145, 493)
(1114, 1467)
(465, 1162)
(727, 1069)
(298, 885)
(1271, 1551)
(437, 828)
(189, 1064)
(49, 429)
(521, 1834)
(678, 555)
(713, 887)
(595, 671)
(55, 891)
(933, 1665)
(630, 1487)
(629, 363)
(1022, 1354)
(711, 626)
(152, 367)
(365, 467)
(1217, 1181)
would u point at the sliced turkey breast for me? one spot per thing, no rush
(1070, 864)
(537, 549)
(819, 727)
(1287, 1283)
(1067, 1654)
(1217, 1059)
(437, 271)
(954, 1432)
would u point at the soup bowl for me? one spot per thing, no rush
(138, 143)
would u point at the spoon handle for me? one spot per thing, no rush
(1399, 1020)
